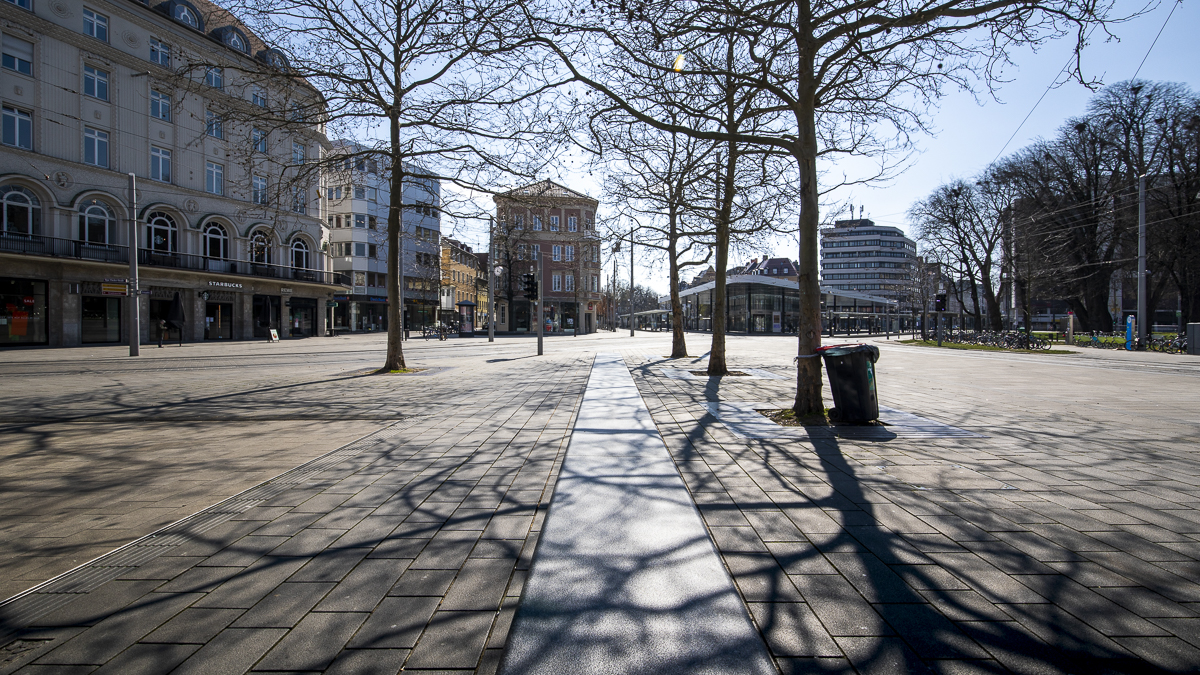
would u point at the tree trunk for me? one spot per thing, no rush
(716, 355)
(808, 363)
(395, 224)
(678, 344)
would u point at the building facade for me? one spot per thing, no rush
(859, 256)
(555, 226)
(357, 193)
(461, 273)
(94, 93)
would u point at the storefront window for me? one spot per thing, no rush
(23, 312)
(218, 321)
(101, 319)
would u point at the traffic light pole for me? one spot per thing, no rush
(540, 321)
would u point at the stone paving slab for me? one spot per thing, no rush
(406, 549)
(1041, 548)
(626, 579)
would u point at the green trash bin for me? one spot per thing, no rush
(851, 370)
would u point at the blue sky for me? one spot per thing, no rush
(968, 134)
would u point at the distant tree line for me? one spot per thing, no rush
(1059, 219)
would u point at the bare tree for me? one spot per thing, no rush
(433, 89)
(965, 222)
(833, 78)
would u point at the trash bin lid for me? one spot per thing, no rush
(846, 350)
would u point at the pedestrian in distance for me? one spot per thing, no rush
(162, 332)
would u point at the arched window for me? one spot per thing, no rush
(260, 248)
(187, 15)
(97, 223)
(22, 210)
(300, 254)
(237, 42)
(160, 232)
(216, 242)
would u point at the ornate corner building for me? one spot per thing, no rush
(548, 223)
(228, 217)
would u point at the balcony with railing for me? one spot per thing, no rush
(37, 245)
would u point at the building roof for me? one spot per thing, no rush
(545, 188)
(782, 282)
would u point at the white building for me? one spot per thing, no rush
(357, 194)
(94, 92)
(858, 255)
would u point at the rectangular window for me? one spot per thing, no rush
(520, 251)
(360, 250)
(372, 251)
(95, 147)
(519, 222)
(533, 251)
(18, 128)
(18, 55)
(160, 53)
(258, 190)
(215, 77)
(214, 178)
(360, 220)
(572, 224)
(160, 164)
(372, 194)
(300, 201)
(557, 282)
(95, 24)
(360, 192)
(258, 138)
(259, 97)
(372, 222)
(595, 283)
(23, 4)
(95, 83)
(537, 223)
(160, 106)
(213, 124)
(298, 154)
(554, 223)
(570, 253)
(556, 254)
(569, 283)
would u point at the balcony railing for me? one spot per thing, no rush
(81, 250)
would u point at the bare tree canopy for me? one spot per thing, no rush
(812, 79)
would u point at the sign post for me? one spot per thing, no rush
(1129, 333)
(135, 320)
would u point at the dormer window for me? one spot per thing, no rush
(186, 15)
(234, 38)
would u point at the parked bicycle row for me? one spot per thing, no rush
(1005, 339)
(1169, 344)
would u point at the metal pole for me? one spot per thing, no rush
(630, 282)
(135, 319)
(1141, 280)
(491, 272)
(403, 231)
(540, 321)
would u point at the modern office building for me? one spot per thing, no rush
(555, 225)
(859, 256)
(225, 218)
(357, 193)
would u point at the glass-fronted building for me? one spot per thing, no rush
(759, 304)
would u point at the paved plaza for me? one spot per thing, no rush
(258, 507)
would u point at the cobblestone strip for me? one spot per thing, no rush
(952, 555)
(408, 552)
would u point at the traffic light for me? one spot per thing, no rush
(939, 303)
(530, 286)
